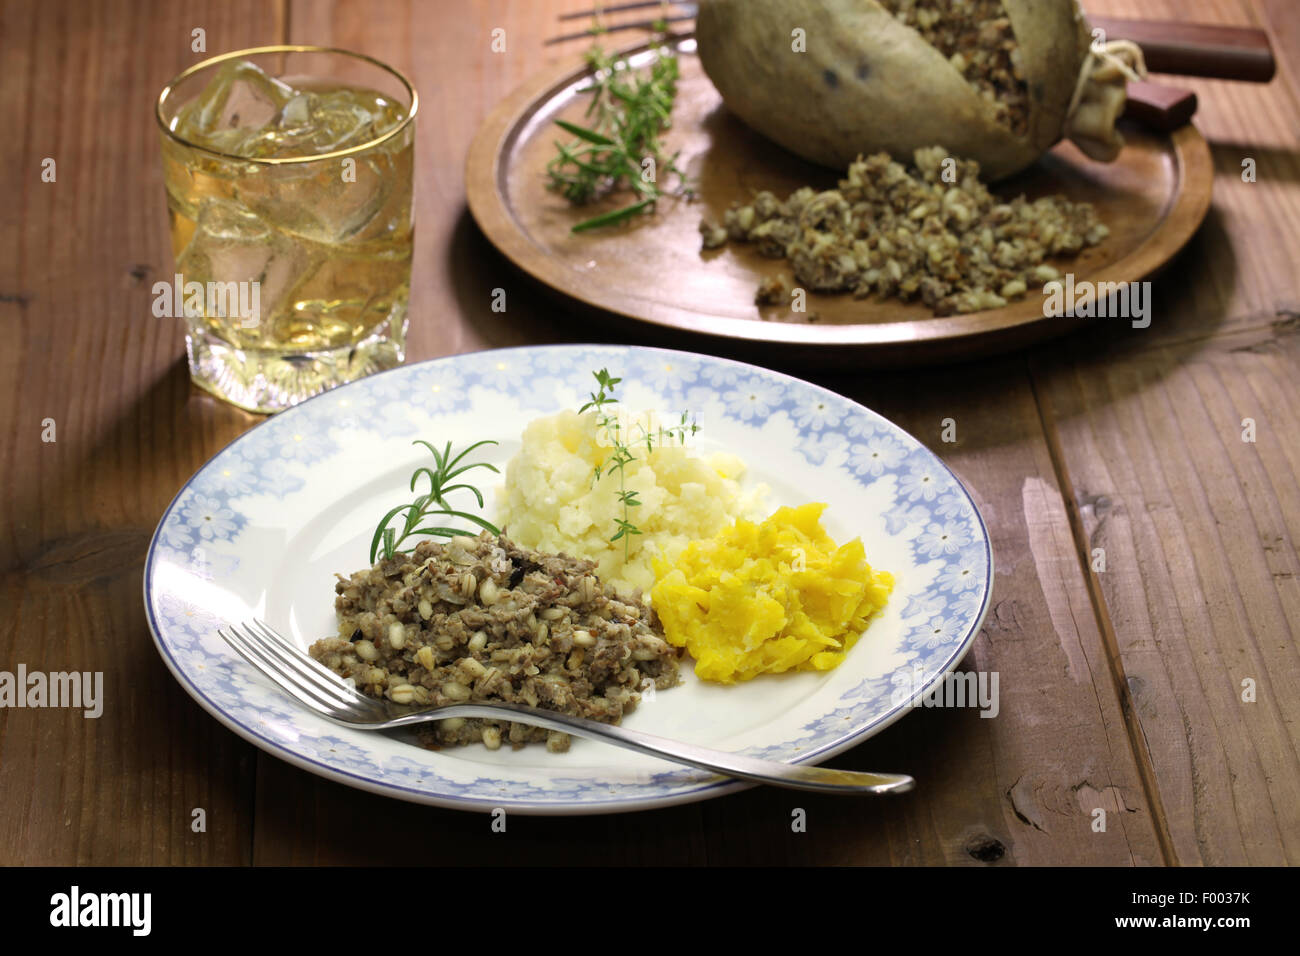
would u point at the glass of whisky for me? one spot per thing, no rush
(288, 172)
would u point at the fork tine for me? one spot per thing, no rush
(616, 28)
(333, 694)
(248, 652)
(602, 9)
(308, 669)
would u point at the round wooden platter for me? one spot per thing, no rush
(653, 270)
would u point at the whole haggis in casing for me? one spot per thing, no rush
(990, 80)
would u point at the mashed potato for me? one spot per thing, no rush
(551, 503)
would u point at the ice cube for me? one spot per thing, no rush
(311, 123)
(344, 118)
(351, 198)
(246, 112)
(231, 244)
(234, 111)
(297, 112)
(336, 201)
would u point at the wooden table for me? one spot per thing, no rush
(1121, 689)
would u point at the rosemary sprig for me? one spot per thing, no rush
(628, 111)
(622, 455)
(434, 504)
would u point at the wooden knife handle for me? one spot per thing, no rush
(1196, 49)
(1159, 107)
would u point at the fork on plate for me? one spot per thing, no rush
(317, 687)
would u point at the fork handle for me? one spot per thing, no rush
(795, 776)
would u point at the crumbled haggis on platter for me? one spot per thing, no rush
(932, 231)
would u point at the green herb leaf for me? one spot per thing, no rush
(386, 539)
(622, 455)
(611, 218)
(590, 135)
(628, 110)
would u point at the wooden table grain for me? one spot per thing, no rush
(1142, 488)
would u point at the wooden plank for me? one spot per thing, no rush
(1136, 413)
(1058, 749)
(1197, 525)
(1199, 529)
(79, 256)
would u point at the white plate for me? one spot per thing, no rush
(262, 528)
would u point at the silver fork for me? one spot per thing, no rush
(670, 11)
(316, 686)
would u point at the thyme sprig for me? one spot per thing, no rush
(628, 111)
(622, 455)
(433, 504)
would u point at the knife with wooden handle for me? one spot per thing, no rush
(1196, 49)
(1187, 49)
